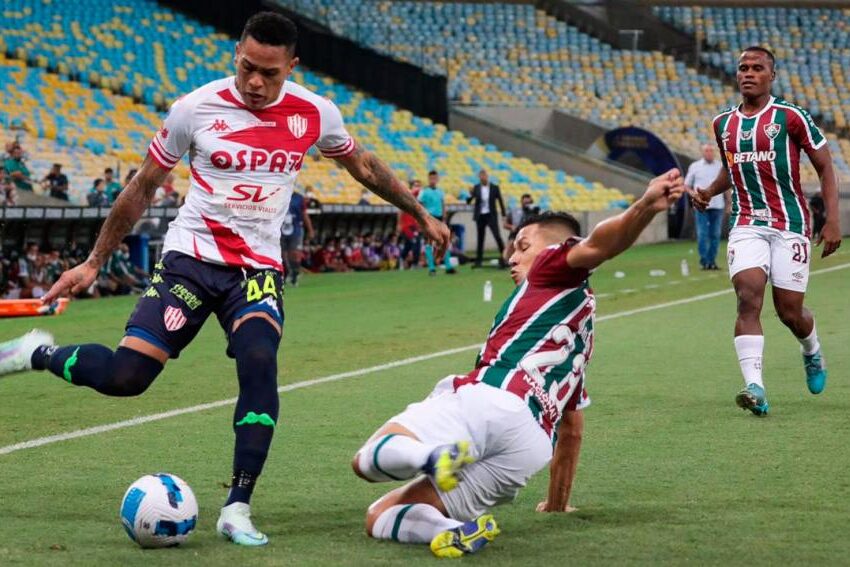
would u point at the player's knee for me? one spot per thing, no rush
(355, 466)
(788, 315)
(749, 301)
(132, 372)
(372, 514)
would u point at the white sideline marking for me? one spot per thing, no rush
(39, 441)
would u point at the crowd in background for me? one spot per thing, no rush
(16, 177)
(28, 274)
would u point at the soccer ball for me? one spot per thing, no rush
(159, 510)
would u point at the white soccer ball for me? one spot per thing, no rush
(159, 510)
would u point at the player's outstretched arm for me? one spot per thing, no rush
(562, 469)
(375, 175)
(614, 235)
(128, 208)
(830, 235)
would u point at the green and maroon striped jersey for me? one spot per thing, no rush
(762, 155)
(541, 339)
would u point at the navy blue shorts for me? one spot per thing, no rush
(185, 291)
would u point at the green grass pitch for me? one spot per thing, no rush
(671, 470)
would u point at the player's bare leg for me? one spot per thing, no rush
(414, 513)
(749, 338)
(793, 314)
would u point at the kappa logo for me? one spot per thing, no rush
(219, 125)
(297, 125)
(746, 135)
(772, 130)
(173, 318)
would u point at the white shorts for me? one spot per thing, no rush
(508, 444)
(784, 256)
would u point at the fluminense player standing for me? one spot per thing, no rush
(246, 136)
(760, 142)
(478, 438)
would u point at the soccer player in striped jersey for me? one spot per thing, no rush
(760, 142)
(478, 438)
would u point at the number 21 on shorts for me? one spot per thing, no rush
(801, 252)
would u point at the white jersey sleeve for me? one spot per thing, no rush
(334, 141)
(175, 136)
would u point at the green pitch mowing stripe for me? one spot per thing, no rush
(38, 442)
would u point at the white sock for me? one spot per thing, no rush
(750, 349)
(810, 344)
(412, 523)
(393, 457)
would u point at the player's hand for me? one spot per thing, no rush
(700, 199)
(544, 507)
(664, 190)
(830, 236)
(436, 233)
(75, 280)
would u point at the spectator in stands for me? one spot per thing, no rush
(8, 191)
(390, 253)
(818, 214)
(310, 197)
(113, 188)
(364, 198)
(329, 257)
(130, 175)
(97, 194)
(17, 169)
(166, 195)
(56, 183)
(409, 230)
(433, 199)
(485, 196)
(701, 174)
(516, 215)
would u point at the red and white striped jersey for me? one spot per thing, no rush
(542, 338)
(762, 155)
(243, 166)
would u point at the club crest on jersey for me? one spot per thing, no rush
(173, 318)
(772, 130)
(297, 125)
(746, 135)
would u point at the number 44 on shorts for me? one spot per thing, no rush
(254, 292)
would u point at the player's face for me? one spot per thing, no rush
(755, 74)
(530, 241)
(261, 71)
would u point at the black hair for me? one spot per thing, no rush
(524, 195)
(764, 50)
(549, 218)
(433, 172)
(271, 28)
(108, 170)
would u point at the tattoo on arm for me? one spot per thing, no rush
(369, 170)
(128, 208)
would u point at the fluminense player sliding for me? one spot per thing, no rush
(760, 141)
(479, 437)
(246, 136)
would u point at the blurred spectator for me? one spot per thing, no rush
(56, 183)
(310, 197)
(17, 169)
(818, 214)
(390, 253)
(97, 195)
(113, 188)
(329, 257)
(364, 198)
(409, 229)
(8, 191)
(515, 216)
(166, 195)
(130, 175)
(356, 256)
